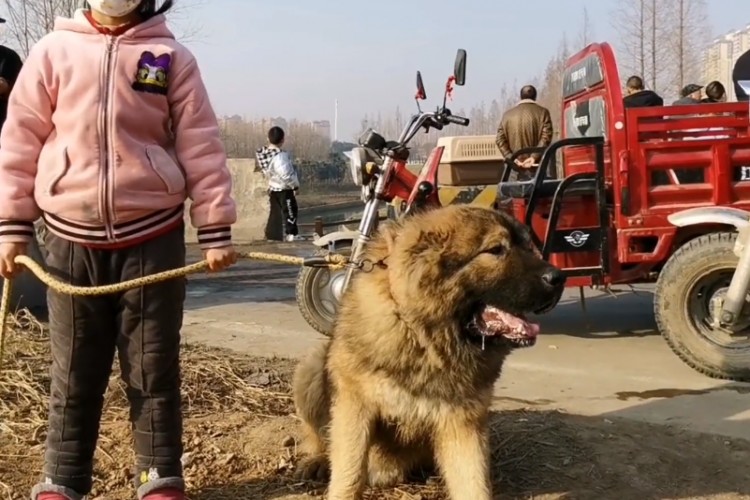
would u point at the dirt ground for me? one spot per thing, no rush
(241, 441)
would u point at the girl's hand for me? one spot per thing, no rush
(8, 252)
(220, 258)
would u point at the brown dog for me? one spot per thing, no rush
(418, 345)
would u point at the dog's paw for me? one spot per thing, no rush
(384, 471)
(381, 478)
(314, 468)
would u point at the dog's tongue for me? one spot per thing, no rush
(504, 323)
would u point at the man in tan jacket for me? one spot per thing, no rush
(526, 125)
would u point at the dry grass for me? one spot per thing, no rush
(23, 388)
(218, 381)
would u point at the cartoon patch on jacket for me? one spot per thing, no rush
(153, 73)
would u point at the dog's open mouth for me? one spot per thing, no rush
(489, 321)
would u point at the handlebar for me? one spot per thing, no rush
(457, 120)
(423, 120)
(433, 122)
(435, 119)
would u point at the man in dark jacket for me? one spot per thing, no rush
(526, 125)
(10, 67)
(636, 96)
(690, 94)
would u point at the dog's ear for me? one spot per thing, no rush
(435, 245)
(519, 232)
(430, 241)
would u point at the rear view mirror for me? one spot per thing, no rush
(421, 94)
(459, 69)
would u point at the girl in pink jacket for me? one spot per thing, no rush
(109, 131)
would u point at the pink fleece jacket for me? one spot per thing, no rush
(107, 136)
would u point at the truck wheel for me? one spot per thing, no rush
(698, 271)
(317, 292)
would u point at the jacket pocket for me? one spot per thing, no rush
(167, 169)
(60, 168)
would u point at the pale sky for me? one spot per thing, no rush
(294, 58)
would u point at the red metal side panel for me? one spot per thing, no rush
(687, 156)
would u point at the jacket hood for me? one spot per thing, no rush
(265, 155)
(156, 27)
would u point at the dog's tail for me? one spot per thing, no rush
(312, 389)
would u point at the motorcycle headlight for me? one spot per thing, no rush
(357, 165)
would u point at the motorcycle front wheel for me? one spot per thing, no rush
(318, 292)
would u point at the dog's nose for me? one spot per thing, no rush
(553, 277)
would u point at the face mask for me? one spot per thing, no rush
(114, 8)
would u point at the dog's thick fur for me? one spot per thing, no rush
(402, 379)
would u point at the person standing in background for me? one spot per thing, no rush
(526, 125)
(10, 67)
(283, 186)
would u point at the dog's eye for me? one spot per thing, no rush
(498, 250)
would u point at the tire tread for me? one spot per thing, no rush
(304, 309)
(676, 268)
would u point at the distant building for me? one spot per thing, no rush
(721, 55)
(322, 127)
(230, 120)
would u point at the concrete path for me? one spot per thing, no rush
(608, 363)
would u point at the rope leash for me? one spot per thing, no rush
(333, 261)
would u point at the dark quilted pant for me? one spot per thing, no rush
(143, 327)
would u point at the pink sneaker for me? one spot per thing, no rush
(164, 494)
(51, 496)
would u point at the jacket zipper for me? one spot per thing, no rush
(105, 142)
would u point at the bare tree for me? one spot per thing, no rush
(30, 20)
(586, 36)
(631, 22)
(658, 15)
(550, 85)
(688, 33)
(661, 41)
(187, 28)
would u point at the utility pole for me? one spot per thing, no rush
(335, 120)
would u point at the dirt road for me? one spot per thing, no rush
(609, 362)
